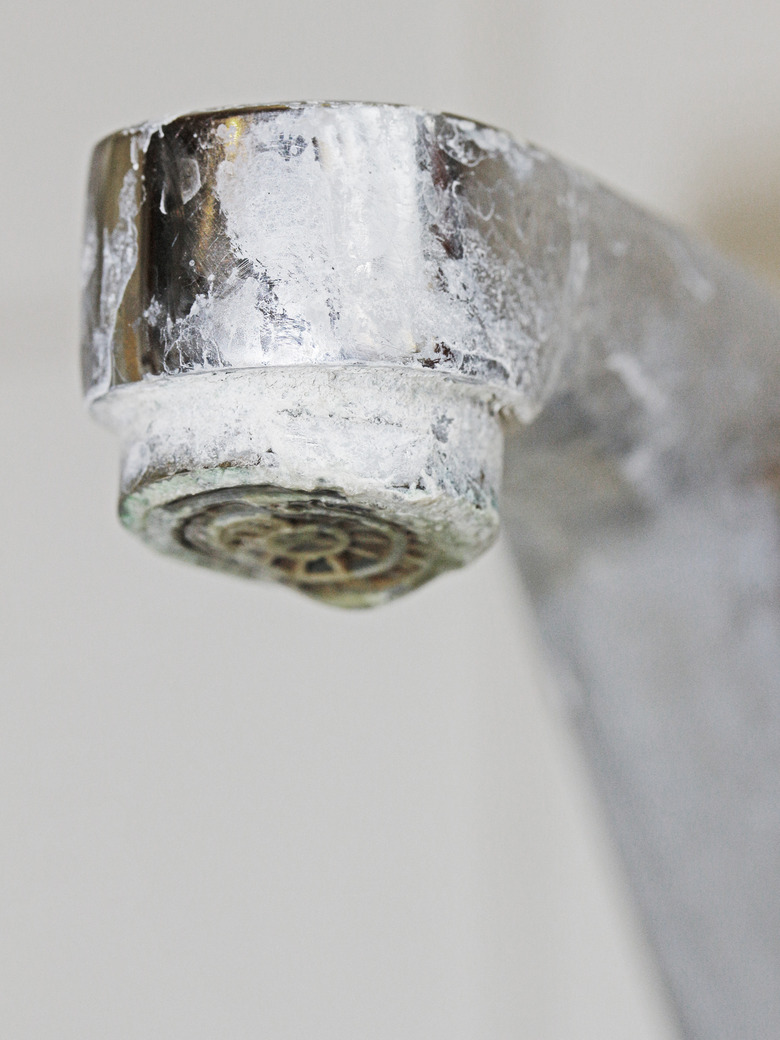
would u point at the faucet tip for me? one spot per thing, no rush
(352, 485)
(317, 542)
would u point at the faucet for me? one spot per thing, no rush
(323, 331)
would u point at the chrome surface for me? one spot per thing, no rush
(322, 234)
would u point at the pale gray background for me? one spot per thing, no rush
(227, 812)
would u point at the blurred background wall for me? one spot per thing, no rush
(227, 812)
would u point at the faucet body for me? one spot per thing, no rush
(314, 326)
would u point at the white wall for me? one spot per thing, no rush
(226, 812)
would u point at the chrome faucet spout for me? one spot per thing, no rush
(314, 327)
